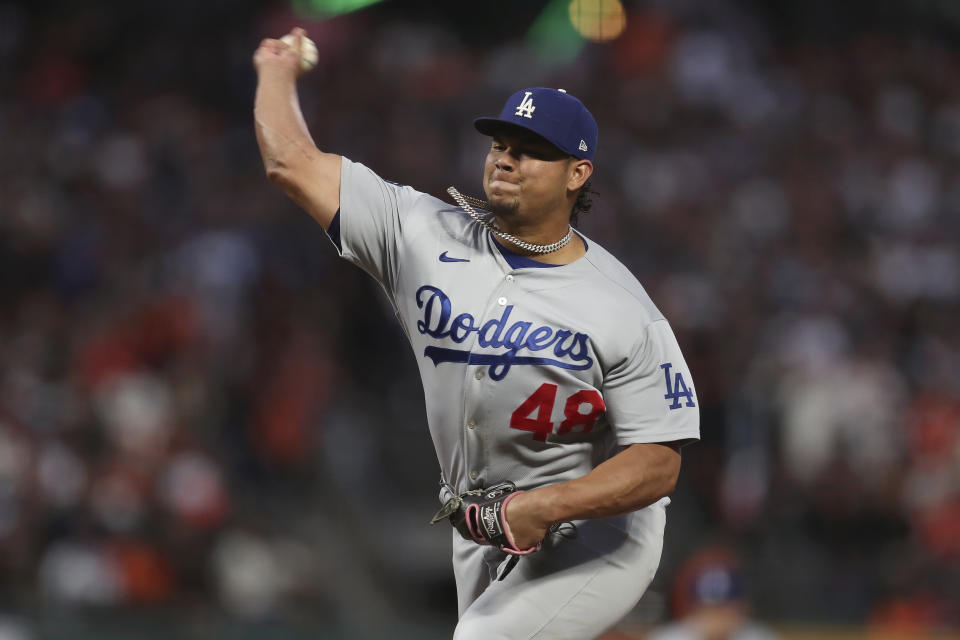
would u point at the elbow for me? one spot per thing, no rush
(669, 475)
(672, 475)
(284, 178)
(286, 173)
(288, 181)
(672, 461)
(277, 164)
(670, 484)
(276, 172)
(664, 487)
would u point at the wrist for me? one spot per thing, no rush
(276, 75)
(539, 504)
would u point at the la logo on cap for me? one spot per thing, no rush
(526, 107)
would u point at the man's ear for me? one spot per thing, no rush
(580, 173)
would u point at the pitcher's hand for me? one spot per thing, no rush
(274, 56)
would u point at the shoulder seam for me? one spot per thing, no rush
(632, 295)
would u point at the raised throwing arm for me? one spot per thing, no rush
(290, 156)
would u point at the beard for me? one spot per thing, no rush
(503, 209)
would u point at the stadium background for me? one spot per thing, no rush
(206, 418)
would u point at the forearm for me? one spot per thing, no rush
(636, 477)
(281, 130)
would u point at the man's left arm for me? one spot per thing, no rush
(636, 477)
(651, 404)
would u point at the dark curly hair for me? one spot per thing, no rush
(584, 202)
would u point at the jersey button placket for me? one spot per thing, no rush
(473, 437)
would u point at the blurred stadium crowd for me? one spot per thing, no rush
(201, 407)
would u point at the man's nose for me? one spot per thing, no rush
(504, 161)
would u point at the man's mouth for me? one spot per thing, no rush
(500, 180)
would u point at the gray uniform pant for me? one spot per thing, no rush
(572, 589)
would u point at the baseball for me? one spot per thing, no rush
(308, 50)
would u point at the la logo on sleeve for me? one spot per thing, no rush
(676, 388)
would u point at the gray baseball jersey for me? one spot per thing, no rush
(531, 374)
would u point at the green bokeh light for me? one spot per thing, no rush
(328, 8)
(552, 35)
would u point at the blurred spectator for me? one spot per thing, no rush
(710, 602)
(14, 629)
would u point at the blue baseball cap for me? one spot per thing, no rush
(553, 114)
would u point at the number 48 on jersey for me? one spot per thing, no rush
(535, 412)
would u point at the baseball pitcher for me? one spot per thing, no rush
(557, 397)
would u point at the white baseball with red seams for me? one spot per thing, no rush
(308, 50)
(530, 375)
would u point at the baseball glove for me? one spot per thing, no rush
(479, 515)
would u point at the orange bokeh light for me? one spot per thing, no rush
(598, 20)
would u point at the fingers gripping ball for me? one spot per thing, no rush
(308, 50)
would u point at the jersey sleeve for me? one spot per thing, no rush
(650, 396)
(372, 212)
